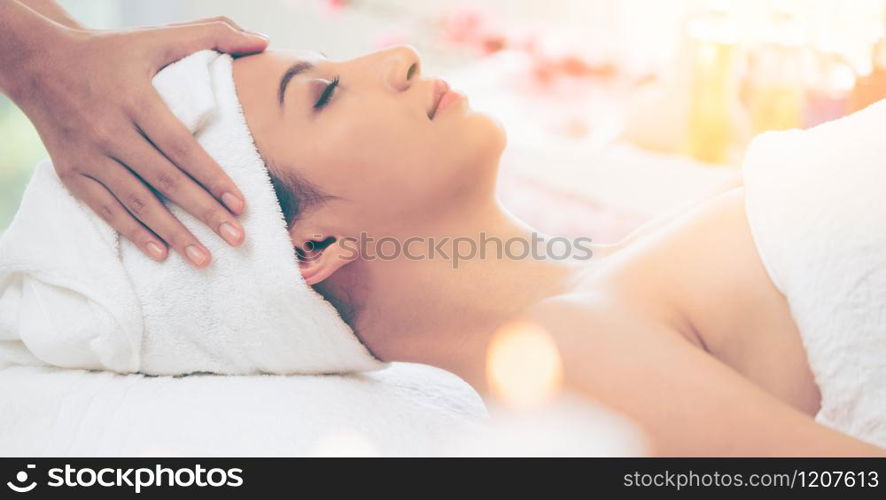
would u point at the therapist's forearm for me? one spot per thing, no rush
(51, 10)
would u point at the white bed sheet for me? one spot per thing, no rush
(406, 409)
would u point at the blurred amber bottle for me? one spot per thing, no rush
(871, 88)
(776, 79)
(712, 85)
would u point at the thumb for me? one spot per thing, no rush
(180, 41)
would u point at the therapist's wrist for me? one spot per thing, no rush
(43, 52)
(31, 43)
(27, 39)
(53, 11)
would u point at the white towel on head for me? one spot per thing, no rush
(75, 294)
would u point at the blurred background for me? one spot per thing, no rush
(616, 110)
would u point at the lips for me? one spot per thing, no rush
(440, 89)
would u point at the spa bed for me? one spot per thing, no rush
(405, 409)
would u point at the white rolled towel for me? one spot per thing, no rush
(816, 204)
(73, 293)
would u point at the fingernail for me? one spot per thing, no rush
(155, 251)
(231, 233)
(234, 203)
(258, 34)
(196, 255)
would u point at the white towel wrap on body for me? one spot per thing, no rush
(816, 203)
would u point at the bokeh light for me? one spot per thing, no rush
(523, 368)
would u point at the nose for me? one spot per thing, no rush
(403, 65)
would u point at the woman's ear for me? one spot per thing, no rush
(320, 258)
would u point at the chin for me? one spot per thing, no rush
(487, 137)
(477, 165)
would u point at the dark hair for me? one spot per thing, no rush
(295, 194)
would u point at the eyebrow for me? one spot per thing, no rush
(291, 72)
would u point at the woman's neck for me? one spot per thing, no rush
(440, 303)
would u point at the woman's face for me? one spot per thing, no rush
(370, 132)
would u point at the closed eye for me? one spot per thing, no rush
(327, 94)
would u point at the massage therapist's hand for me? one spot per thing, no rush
(113, 141)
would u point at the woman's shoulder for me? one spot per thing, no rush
(593, 317)
(662, 278)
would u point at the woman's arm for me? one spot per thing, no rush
(687, 402)
(110, 135)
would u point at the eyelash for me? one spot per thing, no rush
(327, 94)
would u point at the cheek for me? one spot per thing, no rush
(397, 170)
(378, 154)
